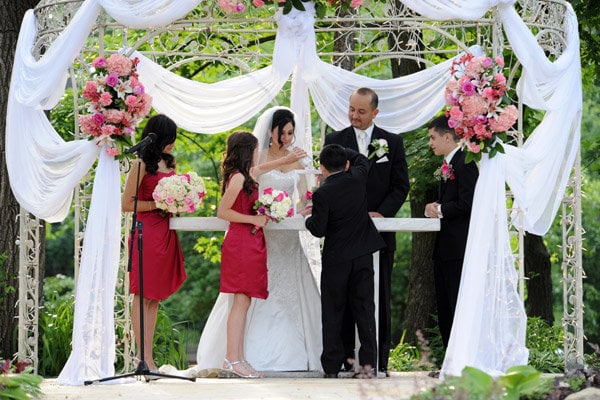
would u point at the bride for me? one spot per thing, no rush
(283, 332)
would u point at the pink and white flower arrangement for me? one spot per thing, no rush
(232, 6)
(275, 204)
(117, 102)
(239, 6)
(181, 193)
(474, 100)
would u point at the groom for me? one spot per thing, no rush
(387, 188)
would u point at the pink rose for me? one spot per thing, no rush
(268, 190)
(468, 88)
(308, 195)
(290, 212)
(98, 118)
(258, 3)
(186, 177)
(355, 3)
(474, 147)
(112, 151)
(456, 113)
(487, 62)
(105, 99)
(500, 79)
(131, 101)
(481, 131)
(100, 62)
(500, 61)
(112, 79)
(279, 197)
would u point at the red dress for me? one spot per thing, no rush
(163, 267)
(243, 254)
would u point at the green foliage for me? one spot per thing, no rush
(62, 117)
(56, 324)
(56, 330)
(5, 279)
(60, 247)
(545, 346)
(474, 384)
(22, 386)
(407, 357)
(422, 163)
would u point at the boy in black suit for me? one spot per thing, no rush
(457, 187)
(339, 213)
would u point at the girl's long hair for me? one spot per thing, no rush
(165, 130)
(239, 155)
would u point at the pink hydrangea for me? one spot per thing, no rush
(505, 120)
(473, 106)
(119, 64)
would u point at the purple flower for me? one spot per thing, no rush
(98, 118)
(480, 119)
(468, 88)
(100, 62)
(112, 79)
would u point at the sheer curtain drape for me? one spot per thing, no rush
(44, 169)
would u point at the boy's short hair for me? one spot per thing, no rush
(333, 157)
(440, 125)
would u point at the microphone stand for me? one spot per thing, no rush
(142, 367)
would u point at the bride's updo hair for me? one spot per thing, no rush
(165, 130)
(280, 119)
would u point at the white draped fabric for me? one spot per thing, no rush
(489, 324)
(44, 169)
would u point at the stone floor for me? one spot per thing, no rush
(400, 385)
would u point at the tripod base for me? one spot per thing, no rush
(141, 370)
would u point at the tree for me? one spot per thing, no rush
(11, 15)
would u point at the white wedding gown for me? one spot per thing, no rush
(283, 332)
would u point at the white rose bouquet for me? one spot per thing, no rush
(275, 204)
(179, 193)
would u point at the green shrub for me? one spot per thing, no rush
(56, 331)
(545, 344)
(474, 384)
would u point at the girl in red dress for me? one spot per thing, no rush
(163, 269)
(243, 254)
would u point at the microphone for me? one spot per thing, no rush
(151, 137)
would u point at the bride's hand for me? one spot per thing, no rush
(294, 155)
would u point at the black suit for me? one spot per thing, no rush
(456, 199)
(340, 214)
(387, 188)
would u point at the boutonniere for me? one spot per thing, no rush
(445, 172)
(380, 148)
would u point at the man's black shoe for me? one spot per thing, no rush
(386, 372)
(326, 375)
